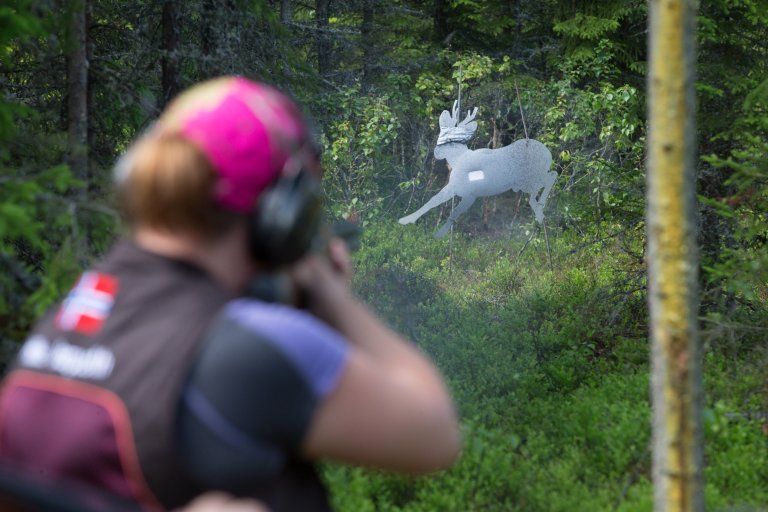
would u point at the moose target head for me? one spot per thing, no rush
(453, 130)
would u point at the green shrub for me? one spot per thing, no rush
(549, 370)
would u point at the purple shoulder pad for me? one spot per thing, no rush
(318, 352)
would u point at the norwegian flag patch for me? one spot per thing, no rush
(88, 304)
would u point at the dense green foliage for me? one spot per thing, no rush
(550, 371)
(549, 367)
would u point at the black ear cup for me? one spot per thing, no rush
(287, 219)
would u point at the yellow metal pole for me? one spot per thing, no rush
(673, 258)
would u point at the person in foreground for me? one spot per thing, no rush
(161, 376)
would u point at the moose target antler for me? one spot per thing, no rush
(521, 166)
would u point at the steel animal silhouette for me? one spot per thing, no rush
(521, 166)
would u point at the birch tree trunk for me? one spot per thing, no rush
(673, 258)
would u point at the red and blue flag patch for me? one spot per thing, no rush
(88, 304)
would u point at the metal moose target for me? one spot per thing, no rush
(521, 166)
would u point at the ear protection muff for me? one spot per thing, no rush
(287, 219)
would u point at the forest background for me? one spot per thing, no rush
(541, 333)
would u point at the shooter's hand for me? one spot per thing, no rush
(323, 280)
(339, 258)
(220, 502)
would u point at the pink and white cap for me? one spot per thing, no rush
(247, 130)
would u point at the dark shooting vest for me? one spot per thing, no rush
(93, 396)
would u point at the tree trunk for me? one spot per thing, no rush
(77, 90)
(286, 14)
(323, 39)
(440, 22)
(673, 259)
(171, 70)
(91, 80)
(208, 38)
(366, 36)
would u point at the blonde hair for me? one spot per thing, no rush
(167, 183)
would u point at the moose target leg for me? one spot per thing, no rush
(463, 206)
(538, 209)
(445, 194)
(538, 205)
(549, 181)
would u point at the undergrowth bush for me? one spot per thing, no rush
(549, 370)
